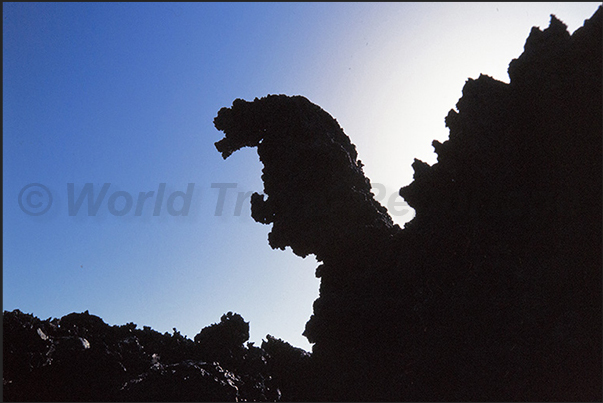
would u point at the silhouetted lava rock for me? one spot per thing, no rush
(319, 200)
(81, 358)
(187, 381)
(511, 216)
(292, 370)
(224, 340)
(493, 291)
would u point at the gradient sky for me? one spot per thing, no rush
(125, 94)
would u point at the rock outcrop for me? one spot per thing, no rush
(493, 291)
(80, 358)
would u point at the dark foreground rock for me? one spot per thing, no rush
(491, 293)
(80, 358)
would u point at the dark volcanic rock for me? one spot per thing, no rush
(81, 358)
(319, 200)
(187, 381)
(513, 209)
(292, 370)
(493, 291)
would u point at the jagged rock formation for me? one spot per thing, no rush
(80, 358)
(492, 292)
(514, 208)
(319, 200)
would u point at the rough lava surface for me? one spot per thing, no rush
(319, 200)
(493, 291)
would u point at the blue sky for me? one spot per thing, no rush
(125, 95)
